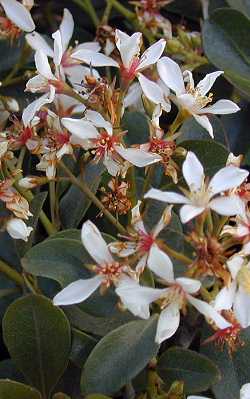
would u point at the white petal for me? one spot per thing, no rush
(133, 96)
(224, 299)
(58, 49)
(193, 171)
(81, 129)
(97, 119)
(242, 308)
(30, 111)
(137, 157)
(122, 249)
(188, 212)
(42, 65)
(137, 298)
(66, 28)
(77, 73)
(221, 107)
(128, 46)
(18, 230)
(227, 178)
(153, 92)
(234, 265)
(168, 323)
(18, 14)
(227, 206)
(171, 75)
(37, 42)
(152, 54)
(113, 167)
(93, 58)
(197, 397)
(245, 391)
(204, 122)
(160, 264)
(136, 218)
(190, 285)
(209, 312)
(93, 46)
(205, 84)
(77, 291)
(95, 244)
(166, 196)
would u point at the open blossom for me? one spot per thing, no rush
(200, 196)
(129, 48)
(105, 144)
(244, 393)
(173, 299)
(108, 271)
(18, 18)
(18, 230)
(236, 296)
(142, 242)
(14, 202)
(190, 99)
(67, 65)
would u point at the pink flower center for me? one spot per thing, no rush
(128, 74)
(67, 60)
(145, 242)
(111, 271)
(26, 135)
(105, 144)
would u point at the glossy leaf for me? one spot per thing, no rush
(37, 335)
(15, 390)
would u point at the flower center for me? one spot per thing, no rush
(162, 147)
(175, 293)
(200, 197)
(128, 74)
(105, 144)
(110, 271)
(145, 242)
(200, 100)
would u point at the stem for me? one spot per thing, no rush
(177, 122)
(132, 185)
(11, 273)
(87, 6)
(52, 197)
(21, 158)
(148, 180)
(86, 190)
(107, 12)
(177, 255)
(26, 51)
(223, 220)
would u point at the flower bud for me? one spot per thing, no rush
(32, 181)
(18, 230)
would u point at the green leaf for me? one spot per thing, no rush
(37, 335)
(35, 208)
(119, 357)
(63, 260)
(15, 390)
(82, 345)
(212, 155)
(241, 5)
(229, 29)
(197, 371)
(137, 127)
(74, 203)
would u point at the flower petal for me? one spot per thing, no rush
(245, 391)
(224, 299)
(190, 285)
(152, 54)
(37, 42)
(66, 28)
(95, 244)
(205, 84)
(98, 121)
(168, 323)
(241, 307)
(234, 265)
(81, 129)
(77, 291)
(209, 312)
(93, 46)
(193, 172)
(137, 157)
(160, 263)
(128, 46)
(42, 65)
(204, 122)
(188, 212)
(221, 107)
(18, 230)
(227, 178)
(94, 58)
(18, 14)
(136, 218)
(58, 49)
(30, 111)
(166, 196)
(227, 206)
(171, 75)
(153, 92)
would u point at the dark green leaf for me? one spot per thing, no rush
(137, 126)
(197, 371)
(37, 335)
(82, 345)
(16, 390)
(241, 5)
(119, 357)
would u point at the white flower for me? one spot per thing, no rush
(129, 48)
(201, 194)
(241, 229)
(142, 242)
(18, 230)
(237, 294)
(191, 99)
(105, 144)
(18, 14)
(62, 52)
(244, 393)
(45, 82)
(107, 270)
